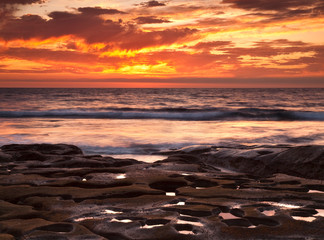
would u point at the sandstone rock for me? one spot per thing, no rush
(302, 161)
(58, 149)
(4, 236)
(47, 195)
(4, 157)
(194, 149)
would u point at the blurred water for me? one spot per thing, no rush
(144, 121)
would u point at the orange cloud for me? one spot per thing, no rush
(231, 38)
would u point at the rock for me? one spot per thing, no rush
(4, 157)
(194, 149)
(45, 195)
(301, 161)
(13, 211)
(28, 155)
(241, 160)
(181, 158)
(56, 149)
(4, 236)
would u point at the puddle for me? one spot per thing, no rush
(122, 220)
(152, 226)
(269, 213)
(174, 204)
(186, 232)
(198, 224)
(84, 179)
(236, 206)
(139, 157)
(121, 176)
(107, 211)
(170, 194)
(200, 188)
(227, 216)
(315, 191)
(306, 219)
(310, 219)
(186, 174)
(283, 205)
(320, 213)
(84, 218)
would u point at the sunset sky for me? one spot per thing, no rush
(165, 43)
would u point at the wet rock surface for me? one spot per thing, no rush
(56, 192)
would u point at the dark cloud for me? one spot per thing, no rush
(8, 7)
(71, 45)
(23, 2)
(278, 5)
(98, 11)
(150, 19)
(219, 23)
(91, 28)
(278, 10)
(5, 13)
(181, 9)
(152, 4)
(49, 55)
(156, 38)
(281, 43)
(67, 57)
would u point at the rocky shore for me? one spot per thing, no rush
(56, 192)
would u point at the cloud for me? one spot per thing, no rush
(8, 7)
(150, 20)
(210, 45)
(90, 27)
(265, 5)
(152, 3)
(98, 11)
(279, 10)
(279, 57)
(22, 2)
(49, 55)
(157, 38)
(221, 22)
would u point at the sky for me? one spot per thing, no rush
(164, 43)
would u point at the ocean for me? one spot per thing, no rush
(139, 123)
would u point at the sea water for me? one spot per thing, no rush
(142, 122)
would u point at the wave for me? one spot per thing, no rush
(175, 114)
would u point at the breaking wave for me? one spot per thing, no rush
(254, 114)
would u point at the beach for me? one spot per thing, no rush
(54, 191)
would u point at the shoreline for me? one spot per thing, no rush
(54, 191)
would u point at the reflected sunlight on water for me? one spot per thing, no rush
(126, 138)
(128, 122)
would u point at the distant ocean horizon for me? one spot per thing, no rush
(130, 121)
